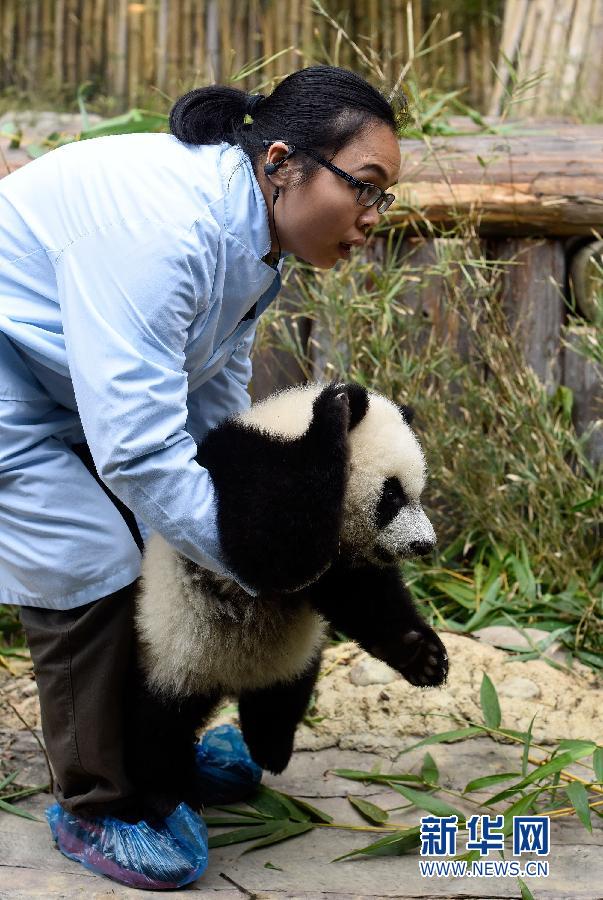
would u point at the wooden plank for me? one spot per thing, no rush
(532, 286)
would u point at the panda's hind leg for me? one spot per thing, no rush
(161, 748)
(269, 717)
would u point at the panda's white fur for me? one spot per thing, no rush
(199, 631)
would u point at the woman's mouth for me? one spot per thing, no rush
(345, 250)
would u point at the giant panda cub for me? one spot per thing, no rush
(318, 500)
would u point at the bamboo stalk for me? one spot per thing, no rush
(460, 48)
(212, 39)
(110, 44)
(239, 35)
(593, 80)
(173, 41)
(398, 37)
(85, 44)
(577, 41)
(515, 12)
(121, 49)
(98, 37)
(183, 63)
(134, 22)
(46, 32)
(526, 45)
(149, 42)
(33, 44)
(163, 15)
(70, 44)
(386, 42)
(198, 45)
(542, 27)
(225, 41)
(307, 31)
(59, 26)
(561, 24)
(21, 45)
(266, 31)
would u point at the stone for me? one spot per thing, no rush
(372, 671)
(519, 687)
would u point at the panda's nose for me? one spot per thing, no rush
(420, 548)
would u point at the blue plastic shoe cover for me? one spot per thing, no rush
(137, 855)
(226, 770)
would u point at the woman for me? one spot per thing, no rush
(133, 270)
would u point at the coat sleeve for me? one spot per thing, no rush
(128, 294)
(225, 394)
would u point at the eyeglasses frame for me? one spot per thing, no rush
(355, 182)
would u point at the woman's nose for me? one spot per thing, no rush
(369, 216)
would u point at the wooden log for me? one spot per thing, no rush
(586, 280)
(547, 182)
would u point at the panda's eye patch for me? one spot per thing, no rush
(393, 498)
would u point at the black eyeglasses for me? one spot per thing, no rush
(368, 194)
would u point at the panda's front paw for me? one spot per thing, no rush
(419, 655)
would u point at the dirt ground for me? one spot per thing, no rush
(362, 704)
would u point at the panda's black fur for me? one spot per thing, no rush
(315, 510)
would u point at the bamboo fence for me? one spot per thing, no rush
(560, 39)
(129, 50)
(125, 48)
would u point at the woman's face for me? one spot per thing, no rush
(315, 218)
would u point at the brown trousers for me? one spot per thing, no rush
(85, 666)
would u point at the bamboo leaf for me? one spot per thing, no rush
(9, 779)
(429, 770)
(455, 735)
(369, 811)
(426, 801)
(236, 811)
(521, 806)
(598, 764)
(246, 834)
(314, 814)
(219, 821)
(579, 800)
(479, 783)
(377, 778)
(9, 808)
(272, 803)
(391, 845)
(526, 893)
(489, 702)
(526, 749)
(577, 746)
(288, 830)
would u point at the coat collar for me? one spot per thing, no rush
(245, 210)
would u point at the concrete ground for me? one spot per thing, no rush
(31, 866)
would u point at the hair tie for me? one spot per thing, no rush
(253, 100)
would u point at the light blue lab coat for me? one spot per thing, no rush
(127, 266)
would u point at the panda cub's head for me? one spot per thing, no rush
(383, 521)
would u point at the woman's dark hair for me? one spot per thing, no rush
(320, 107)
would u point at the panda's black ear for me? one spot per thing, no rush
(359, 400)
(408, 413)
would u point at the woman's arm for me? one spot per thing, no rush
(128, 293)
